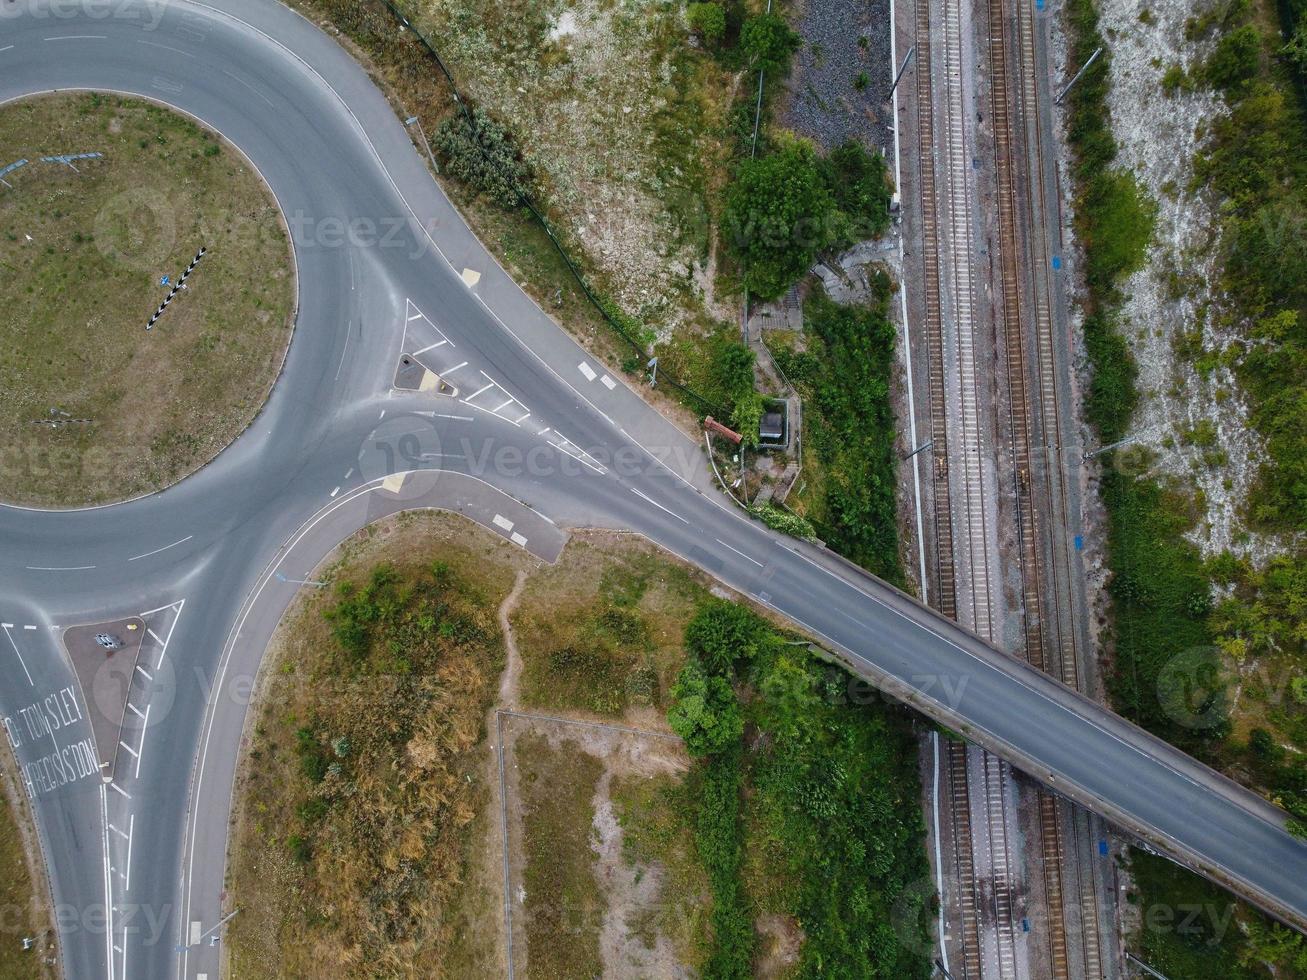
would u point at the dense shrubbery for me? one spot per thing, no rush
(844, 376)
(786, 207)
(708, 20)
(768, 41)
(831, 807)
(481, 153)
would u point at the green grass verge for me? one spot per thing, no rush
(81, 256)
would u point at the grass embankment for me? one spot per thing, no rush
(362, 779)
(24, 903)
(1171, 649)
(81, 255)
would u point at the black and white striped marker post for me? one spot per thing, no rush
(181, 284)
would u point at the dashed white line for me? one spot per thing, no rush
(349, 329)
(608, 382)
(659, 506)
(7, 47)
(349, 472)
(739, 552)
(59, 568)
(164, 548)
(334, 492)
(502, 521)
(456, 418)
(28, 626)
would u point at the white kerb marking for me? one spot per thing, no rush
(608, 382)
(518, 539)
(502, 521)
(587, 370)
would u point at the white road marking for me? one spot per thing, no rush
(135, 755)
(438, 343)
(7, 47)
(111, 826)
(659, 506)
(131, 832)
(135, 710)
(237, 78)
(502, 521)
(195, 932)
(29, 626)
(336, 491)
(504, 405)
(349, 472)
(124, 792)
(164, 548)
(449, 371)
(479, 391)
(145, 723)
(739, 552)
(77, 37)
(471, 277)
(587, 370)
(7, 626)
(456, 418)
(382, 415)
(145, 672)
(608, 382)
(19, 655)
(59, 568)
(415, 316)
(518, 539)
(349, 329)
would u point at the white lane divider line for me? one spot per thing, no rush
(164, 548)
(587, 370)
(334, 492)
(608, 382)
(456, 418)
(518, 539)
(28, 626)
(739, 552)
(349, 472)
(131, 832)
(18, 654)
(59, 568)
(659, 506)
(145, 723)
(502, 521)
(576, 452)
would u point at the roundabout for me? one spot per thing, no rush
(524, 441)
(116, 198)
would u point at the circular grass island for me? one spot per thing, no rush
(95, 407)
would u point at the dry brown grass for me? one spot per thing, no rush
(600, 632)
(81, 255)
(24, 901)
(366, 868)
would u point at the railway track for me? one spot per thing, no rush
(1038, 476)
(991, 777)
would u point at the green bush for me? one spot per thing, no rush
(787, 522)
(768, 41)
(859, 182)
(704, 711)
(779, 215)
(723, 635)
(1235, 60)
(708, 20)
(481, 153)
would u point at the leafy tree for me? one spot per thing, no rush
(722, 634)
(746, 417)
(779, 215)
(704, 711)
(708, 20)
(768, 41)
(481, 153)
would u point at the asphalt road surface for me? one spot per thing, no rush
(533, 442)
